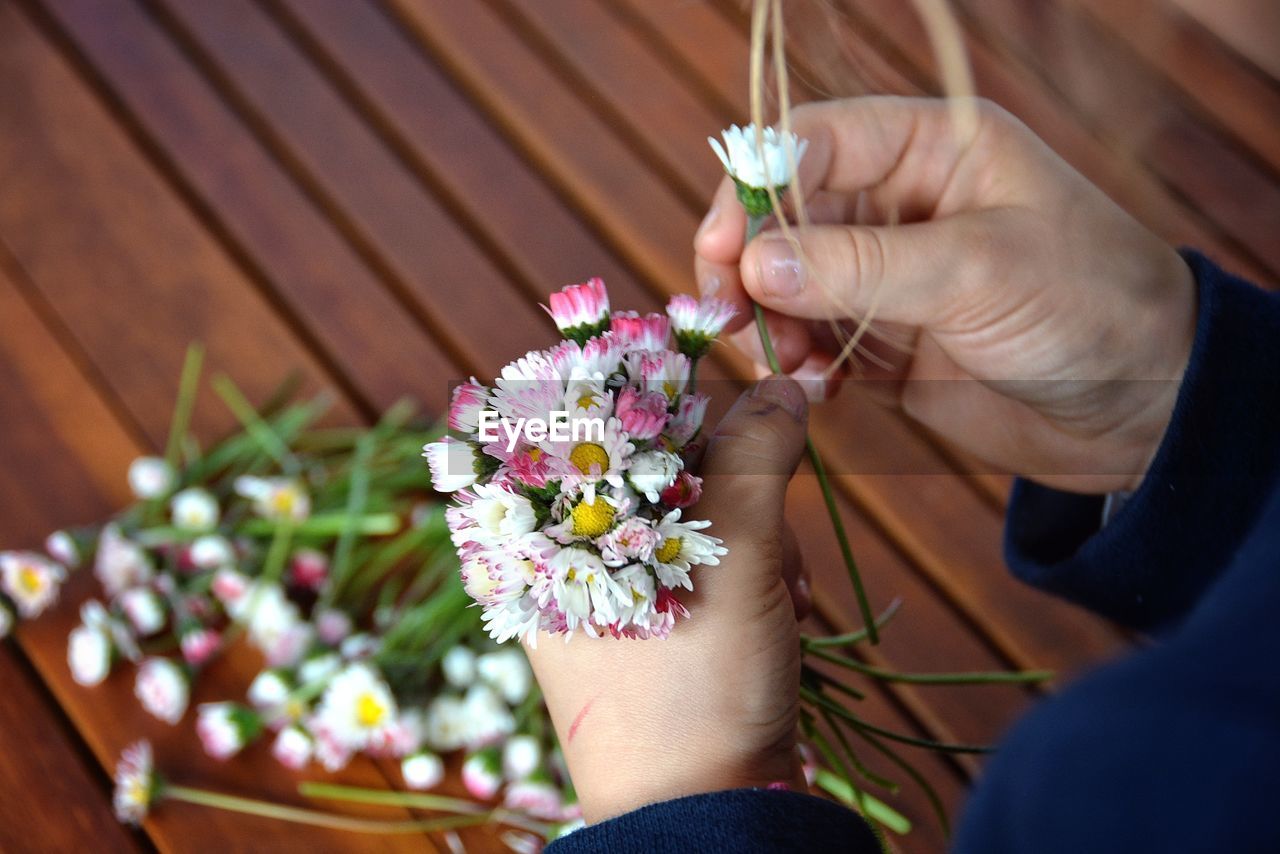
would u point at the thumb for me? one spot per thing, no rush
(908, 272)
(750, 459)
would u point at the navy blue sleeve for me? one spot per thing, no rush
(1201, 497)
(746, 820)
(1177, 746)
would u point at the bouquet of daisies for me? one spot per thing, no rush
(570, 472)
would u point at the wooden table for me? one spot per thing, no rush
(376, 193)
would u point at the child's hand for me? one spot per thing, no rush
(1043, 308)
(713, 706)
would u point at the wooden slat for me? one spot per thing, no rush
(1133, 187)
(1120, 98)
(63, 215)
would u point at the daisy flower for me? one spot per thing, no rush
(537, 798)
(279, 499)
(697, 323)
(293, 747)
(62, 547)
(120, 563)
(446, 723)
(199, 644)
(422, 770)
(136, 784)
(651, 472)
(151, 477)
(211, 551)
(521, 756)
(755, 164)
(454, 464)
(144, 609)
(309, 569)
(356, 704)
(482, 773)
(682, 546)
(459, 666)
(643, 416)
(194, 509)
(89, 655)
(489, 719)
(468, 401)
(31, 580)
(580, 311)
(640, 331)
(225, 728)
(162, 688)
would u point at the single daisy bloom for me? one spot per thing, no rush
(521, 756)
(756, 164)
(333, 625)
(194, 509)
(136, 783)
(293, 747)
(580, 311)
(446, 723)
(225, 728)
(62, 547)
(535, 797)
(633, 539)
(651, 472)
(120, 563)
(687, 420)
(89, 655)
(199, 644)
(459, 666)
(212, 551)
(422, 770)
(468, 400)
(637, 331)
(279, 499)
(489, 719)
(585, 463)
(162, 688)
(309, 569)
(144, 609)
(454, 464)
(31, 580)
(681, 547)
(269, 691)
(151, 477)
(583, 588)
(696, 323)
(482, 773)
(662, 371)
(643, 416)
(356, 704)
(496, 515)
(94, 615)
(685, 492)
(507, 670)
(230, 588)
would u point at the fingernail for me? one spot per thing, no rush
(784, 392)
(781, 274)
(707, 221)
(813, 379)
(709, 283)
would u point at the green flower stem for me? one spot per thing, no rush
(975, 678)
(315, 818)
(853, 637)
(416, 800)
(883, 782)
(873, 807)
(421, 800)
(863, 727)
(329, 525)
(188, 385)
(357, 497)
(253, 424)
(920, 780)
(754, 224)
(812, 673)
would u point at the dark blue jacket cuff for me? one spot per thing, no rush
(1205, 487)
(737, 820)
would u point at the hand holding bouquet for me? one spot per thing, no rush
(570, 473)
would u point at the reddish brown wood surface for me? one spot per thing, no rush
(374, 193)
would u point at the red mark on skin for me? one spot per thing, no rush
(577, 722)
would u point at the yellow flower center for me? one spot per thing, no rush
(369, 712)
(636, 596)
(282, 502)
(587, 400)
(669, 550)
(589, 454)
(592, 520)
(670, 388)
(30, 580)
(535, 454)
